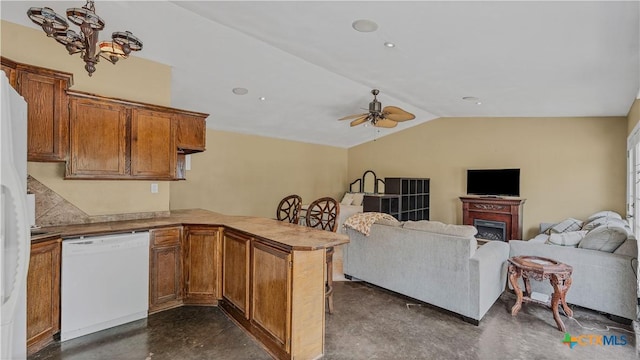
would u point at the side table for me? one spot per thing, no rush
(540, 268)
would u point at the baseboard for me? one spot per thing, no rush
(619, 319)
(471, 321)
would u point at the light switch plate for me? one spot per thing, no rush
(154, 188)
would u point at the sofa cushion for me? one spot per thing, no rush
(569, 238)
(441, 228)
(566, 225)
(606, 238)
(601, 214)
(628, 248)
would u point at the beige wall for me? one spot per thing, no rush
(570, 167)
(248, 175)
(634, 115)
(133, 79)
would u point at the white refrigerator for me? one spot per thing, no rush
(14, 225)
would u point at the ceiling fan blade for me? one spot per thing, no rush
(386, 123)
(360, 120)
(396, 114)
(353, 116)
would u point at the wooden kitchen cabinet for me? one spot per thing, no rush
(271, 293)
(116, 139)
(120, 139)
(165, 269)
(153, 147)
(202, 265)
(190, 133)
(236, 250)
(284, 312)
(9, 68)
(98, 132)
(44, 90)
(43, 293)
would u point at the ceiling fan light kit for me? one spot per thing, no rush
(387, 117)
(85, 42)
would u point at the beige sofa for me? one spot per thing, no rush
(445, 270)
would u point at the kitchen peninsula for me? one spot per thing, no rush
(268, 276)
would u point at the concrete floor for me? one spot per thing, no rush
(368, 323)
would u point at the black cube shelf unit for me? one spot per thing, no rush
(404, 198)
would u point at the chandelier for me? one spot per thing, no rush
(85, 42)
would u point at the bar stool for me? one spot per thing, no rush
(323, 214)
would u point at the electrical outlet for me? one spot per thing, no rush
(154, 188)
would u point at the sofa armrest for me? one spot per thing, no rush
(488, 275)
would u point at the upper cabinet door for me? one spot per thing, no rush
(190, 133)
(98, 139)
(47, 114)
(153, 146)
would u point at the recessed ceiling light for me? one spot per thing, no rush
(472, 99)
(364, 25)
(262, 98)
(240, 91)
(389, 44)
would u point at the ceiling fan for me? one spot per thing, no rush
(386, 117)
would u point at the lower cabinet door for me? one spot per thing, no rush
(43, 294)
(235, 285)
(165, 269)
(271, 293)
(166, 278)
(201, 274)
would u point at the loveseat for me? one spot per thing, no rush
(604, 271)
(432, 262)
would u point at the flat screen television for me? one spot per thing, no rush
(493, 182)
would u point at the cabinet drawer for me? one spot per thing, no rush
(165, 237)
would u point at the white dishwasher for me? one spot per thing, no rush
(105, 282)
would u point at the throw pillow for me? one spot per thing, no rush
(605, 221)
(604, 238)
(347, 199)
(566, 225)
(569, 238)
(441, 228)
(606, 213)
(357, 199)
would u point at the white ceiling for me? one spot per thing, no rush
(533, 59)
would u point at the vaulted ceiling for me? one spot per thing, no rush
(520, 59)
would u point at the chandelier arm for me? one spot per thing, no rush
(48, 20)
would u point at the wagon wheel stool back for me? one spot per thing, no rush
(289, 209)
(323, 214)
